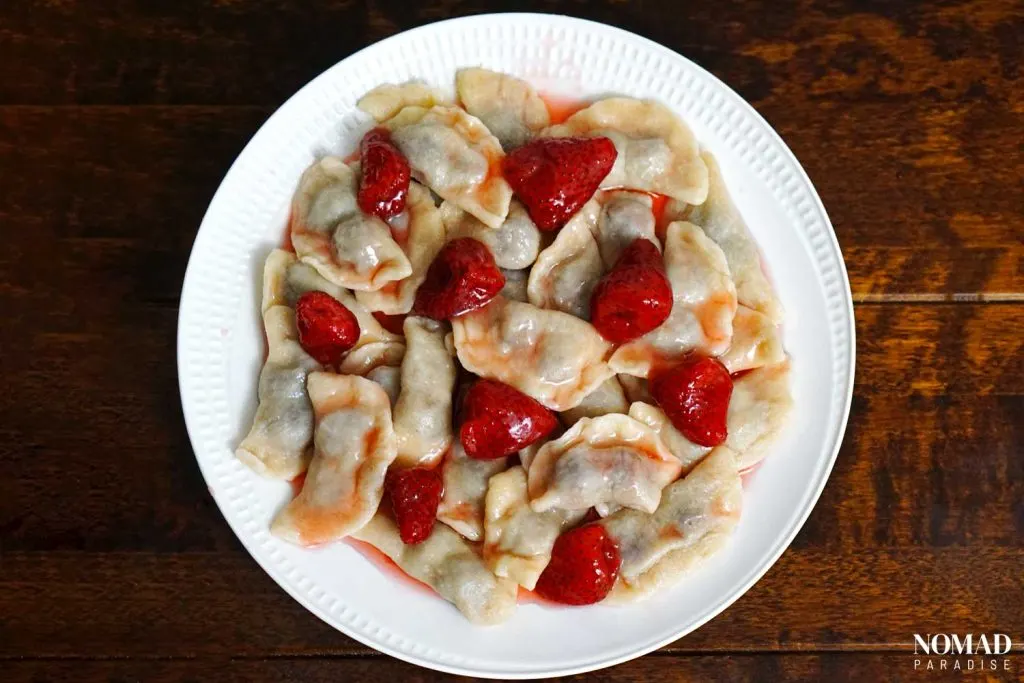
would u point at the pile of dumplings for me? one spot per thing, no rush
(392, 401)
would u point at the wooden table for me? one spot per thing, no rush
(118, 120)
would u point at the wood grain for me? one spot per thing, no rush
(855, 668)
(922, 520)
(115, 605)
(931, 456)
(907, 120)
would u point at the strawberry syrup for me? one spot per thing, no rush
(747, 475)
(561, 108)
(387, 566)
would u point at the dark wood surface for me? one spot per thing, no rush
(117, 121)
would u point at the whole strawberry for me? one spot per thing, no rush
(499, 420)
(584, 565)
(391, 323)
(461, 278)
(695, 396)
(384, 183)
(327, 330)
(554, 177)
(634, 297)
(415, 494)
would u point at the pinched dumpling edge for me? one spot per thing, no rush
(644, 120)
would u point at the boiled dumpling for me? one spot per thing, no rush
(285, 279)
(758, 409)
(656, 151)
(516, 282)
(278, 443)
(423, 411)
(465, 486)
(755, 342)
(625, 216)
(552, 356)
(515, 244)
(329, 232)
(687, 452)
(723, 223)
(565, 274)
(454, 155)
(607, 459)
(450, 565)
(423, 239)
(517, 540)
(704, 303)
(509, 106)
(697, 514)
(353, 447)
(607, 398)
(386, 100)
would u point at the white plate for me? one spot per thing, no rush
(220, 344)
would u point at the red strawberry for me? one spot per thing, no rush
(462, 278)
(498, 420)
(385, 175)
(695, 396)
(415, 494)
(583, 568)
(554, 177)
(634, 297)
(327, 330)
(391, 323)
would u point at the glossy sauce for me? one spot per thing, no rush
(658, 206)
(747, 475)
(387, 566)
(561, 108)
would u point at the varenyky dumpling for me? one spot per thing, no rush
(285, 279)
(607, 398)
(389, 378)
(656, 150)
(450, 565)
(424, 237)
(703, 307)
(526, 455)
(723, 223)
(695, 518)
(755, 342)
(329, 232)
(517, 540)
(687, 452)
(758, 409)
(465, 485)
(423, 412)
(625, 216)
(552, 356)
(386, 100)
(566, 272)
(635, 388)
(515, 244)
(353, 446)
(515, 285)
(278, 443)
(454, 155)
(509, 106)
(607, 459)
